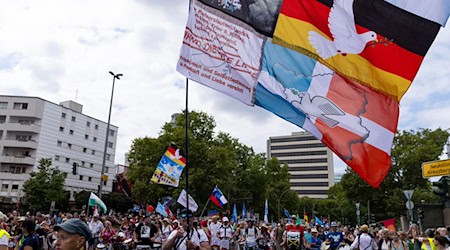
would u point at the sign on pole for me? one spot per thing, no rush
(409, 205)
(436, 168)
(408, 194)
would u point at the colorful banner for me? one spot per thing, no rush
(369, 41)
(182, 200)
(218, 198)
(434, 10)
(220, 54)
(170, 167)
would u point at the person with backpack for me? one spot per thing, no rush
(364, 241)
(334, 238)
(251, 233)
(179, 240)
(225, 233)
(294, 235)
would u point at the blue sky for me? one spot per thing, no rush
(55, 49)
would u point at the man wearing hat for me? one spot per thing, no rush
(72, 235)
(334, 238)
(364, 241)
(251, 233)
(225, 233)
(316, 242)
(294, 235)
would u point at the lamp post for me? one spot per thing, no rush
(279, 201)
(107, 133)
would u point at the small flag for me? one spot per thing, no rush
(234, 213)
(170, 167)
(287, 214)
(218, 198)
(305, 217)
(244, 211)
(161, 210)
(169, 212)
(95, 201)
(389, 224)
(298, 220)
(266, 212)
(318, 221)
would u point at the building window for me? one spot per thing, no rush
(16, 170)
(15, 188)
(63, 115)
(59, 143)
(88, 124)
(56, 157)
(20, 105)
(3, 105)
(91, 165)
(108, 157)
(3, 119)
(104, 183)
(110, 145)
(81, 177)
(69, 145)
(86, 137)
(95, 139)
(71, 132)
(73, 118)
(5, 187)
(61, 129)
(93, 152)
(67, 160)
(111, 132)
(90, 178)
(84, 150)
(96, 126)
(106, 169)
(82, 163)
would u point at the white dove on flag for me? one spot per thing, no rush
(177, 155)
(342, 27)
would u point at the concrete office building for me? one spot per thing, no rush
(310, 162)
(32, 128)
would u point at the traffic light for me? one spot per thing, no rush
(420, 213)
(440, 188)
(74, 168)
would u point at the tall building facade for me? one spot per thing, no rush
(32, 128)
(309, 161)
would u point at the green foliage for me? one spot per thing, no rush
(214, 159)
(44, 186)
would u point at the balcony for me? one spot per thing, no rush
(21, 127)
(26, 160)
(20, 143)
(14, 177)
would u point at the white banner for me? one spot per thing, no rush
(220, 54)
(182, 200)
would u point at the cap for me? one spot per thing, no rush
(225, 219)
(22, 218)
(166, 220)
(314, 230)
(176, 221)
(294, 216)
(364, 228)
(333, 224)
(75, 226)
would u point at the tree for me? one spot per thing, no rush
(214, 159)
(44, 186)
(410, 150)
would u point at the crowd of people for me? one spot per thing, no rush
(122, 231)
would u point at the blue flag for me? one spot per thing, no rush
(161, 210)
(286, 212)
(266, 212)
(235, 213)
(244, 211)
(318, 221)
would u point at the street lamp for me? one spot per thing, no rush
(279, 201)
(107, 133)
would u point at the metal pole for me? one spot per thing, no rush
(358, 213)
(107, 134)
(279, 201)
(368, 212)
(186, 146)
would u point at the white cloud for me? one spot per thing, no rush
(51, 49)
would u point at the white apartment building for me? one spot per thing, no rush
(32, 128)
(309, 161)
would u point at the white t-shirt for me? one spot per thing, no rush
(4, 241)
(225, 231)
(214, 228)
(251, 234)
(197, 236)
(95, 227)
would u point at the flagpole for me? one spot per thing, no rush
(204, 207)
(186, 146)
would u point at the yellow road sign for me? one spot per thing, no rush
(435, 168)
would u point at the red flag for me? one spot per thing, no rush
(389, 224)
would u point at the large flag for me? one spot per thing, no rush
(183, 200)
(235, 216)
(435, 10)
(370, 41)
(244, 211)
(226, 47)
(170, 167)
(217, 197)
(95, 201)
(266, 212)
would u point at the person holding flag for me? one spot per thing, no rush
(95, 226)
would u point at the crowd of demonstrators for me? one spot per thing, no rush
(67, 231)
